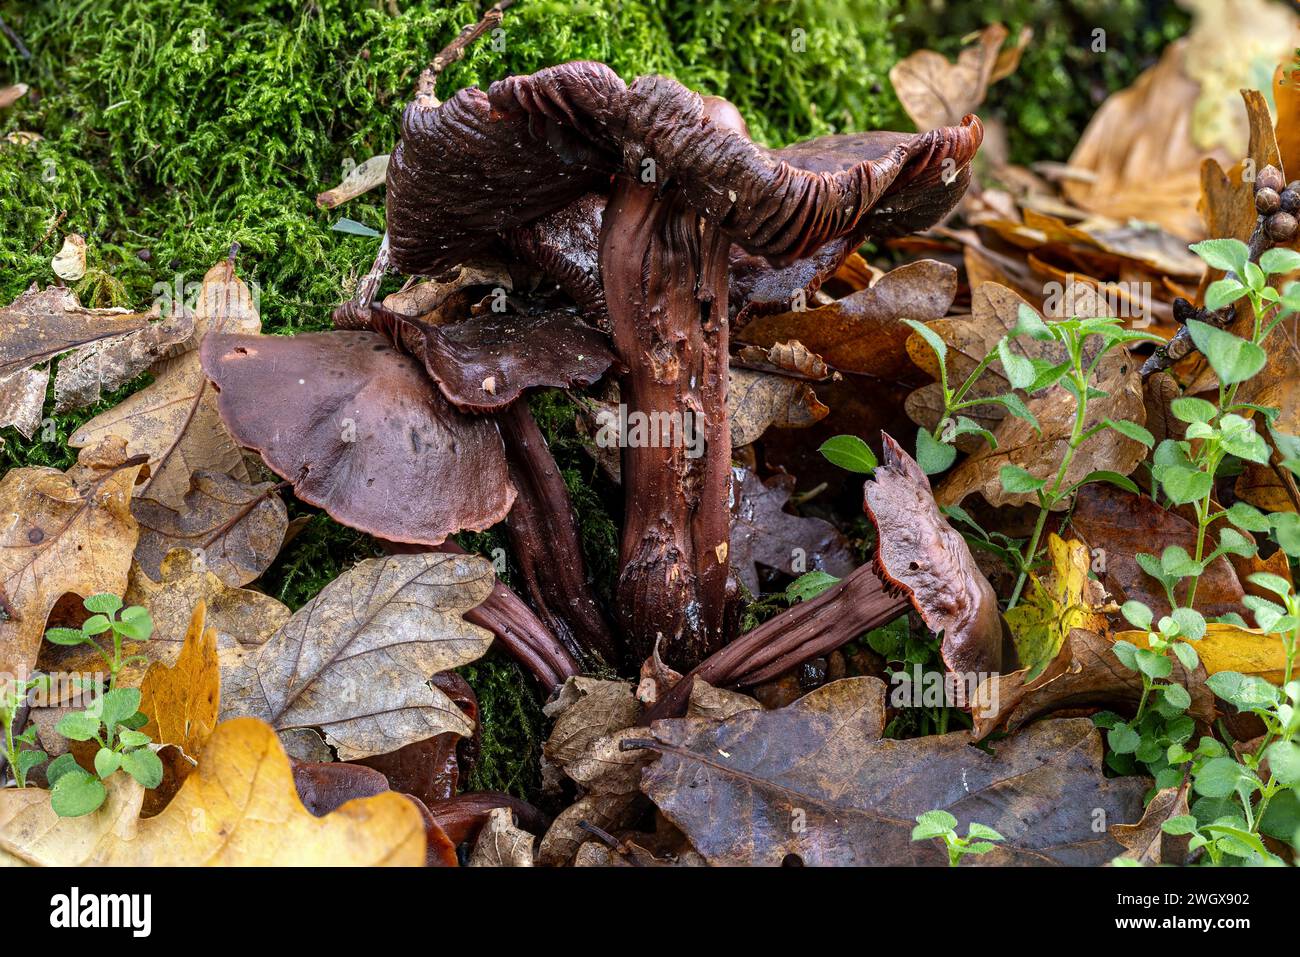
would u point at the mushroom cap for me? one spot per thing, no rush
(483, 164)
(361, 432)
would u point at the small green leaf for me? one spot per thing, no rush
(105, 603)
(1279, 259)
(1017, 481)
(1153, 665)
(143, 765)
(136, 739)
(76, 793)
(78, 726)
(1248, 517)
(96, 625)
(1132, 431)
(932, 338)
(106, 762)
(1228, 255)
(1232, 358)
(65, 636)
(1223, 292)
(134, 623)
(59, 767)
(1111, 478)
(1177, 696)
(1183, 485)
(804, 588)
(849, 452)
(1284, 761)
(1191, 623)
(1218, 777)
(30, 759)
(932, 455)
(1137, 614)
(1020, 369)
(118, 705)
(1126, 652)
(931, 824)
(984, 832)
(1123, 739)
(1191, 409)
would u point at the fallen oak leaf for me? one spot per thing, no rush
(1146, 841)
(238, 528)
(61, 532)
(243, 798)
(759, 400)
(1117, 525)
(174, 420)
(1227, 647)
(934, 90)
(182, 701)
(501, 844)
(1085, 675)
(732, 787)
(356, 660)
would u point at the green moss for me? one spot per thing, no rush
(1060, 83)
(511, 727)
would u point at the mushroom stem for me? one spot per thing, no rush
(544, 539)
(805, 631)
(665, 275)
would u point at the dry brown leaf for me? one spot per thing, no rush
(238, 809)
(764, 533)
(862, 332)
(936, 92)
(735, 788)
(22, 399)
(61, 532)
(174, 420)
(1146, 842)
(235, 528)
(356, 660)
(182, 701)
(501, 844)
(758, 400)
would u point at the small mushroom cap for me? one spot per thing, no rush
(361, 432)
(484, 363)
(482, 164)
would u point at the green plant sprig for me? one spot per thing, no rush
(979, 838)
(132, 622)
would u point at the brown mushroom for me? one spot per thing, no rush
(686, 182)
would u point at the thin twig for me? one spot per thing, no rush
(50, 232)
(455, 50)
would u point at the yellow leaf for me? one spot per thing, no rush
(1068, 599)
(239, 808)
(1230, 648)
(182, 701)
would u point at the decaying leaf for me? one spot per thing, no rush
(174, 420)
(1085, 675)
(22, 398)
(1054, 607)
(923, 555)
(501, 843)
(1117, 525)
(735, 787)
(936, 92)
(356, 660)
(592, 717)
(236, 527)
(1227, 647)
(758, 400)
(862, 331)
(1146, 843)
(182, 701)
(238, 808)
(764, 533)
(103, 365)
(61, 532)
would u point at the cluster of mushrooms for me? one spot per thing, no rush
(636, 225)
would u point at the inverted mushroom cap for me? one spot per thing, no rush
(361, 432)
(482, 164)
(485, 362)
